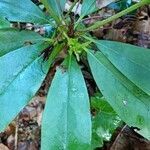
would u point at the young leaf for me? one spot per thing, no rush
(11, 39)
(20, 77)
(99, 103)
(129, 101)
(22, 11)
(66, 121)
(132, 61)
(54, 7)
(4, 23)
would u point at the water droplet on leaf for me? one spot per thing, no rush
(124, 102)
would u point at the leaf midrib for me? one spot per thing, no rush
(125, 57)
(68, 91)
(130, 83)
(21, 71)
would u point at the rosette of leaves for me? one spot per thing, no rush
(121, 72)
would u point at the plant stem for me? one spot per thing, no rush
(118, 15)
(48, 40)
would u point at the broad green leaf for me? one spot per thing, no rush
(104, 123)
(22, 11)
(20, 77)
(11, 39)
(66, 121)
(14, 62)
(129, 101)
(132, 61)
(88, 6)
(54, 7)
(4, 23)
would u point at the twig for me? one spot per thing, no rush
(16, 134)
(117, 138)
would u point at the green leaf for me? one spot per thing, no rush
(20, 77)
(100, 104)
(66, 121)
(22, 11)
(88, 6)
(4, 23)
(104, 123)
(54, 7)
(11, 39)
(132, 61)
(130, 102)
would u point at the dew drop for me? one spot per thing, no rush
(21, 76)
(124, 102)
(15, 73)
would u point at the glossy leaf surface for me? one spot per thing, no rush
(129, 101)
(21, 76)
(66, 121)
(11, 39)
(132, 61)
(22, 11)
